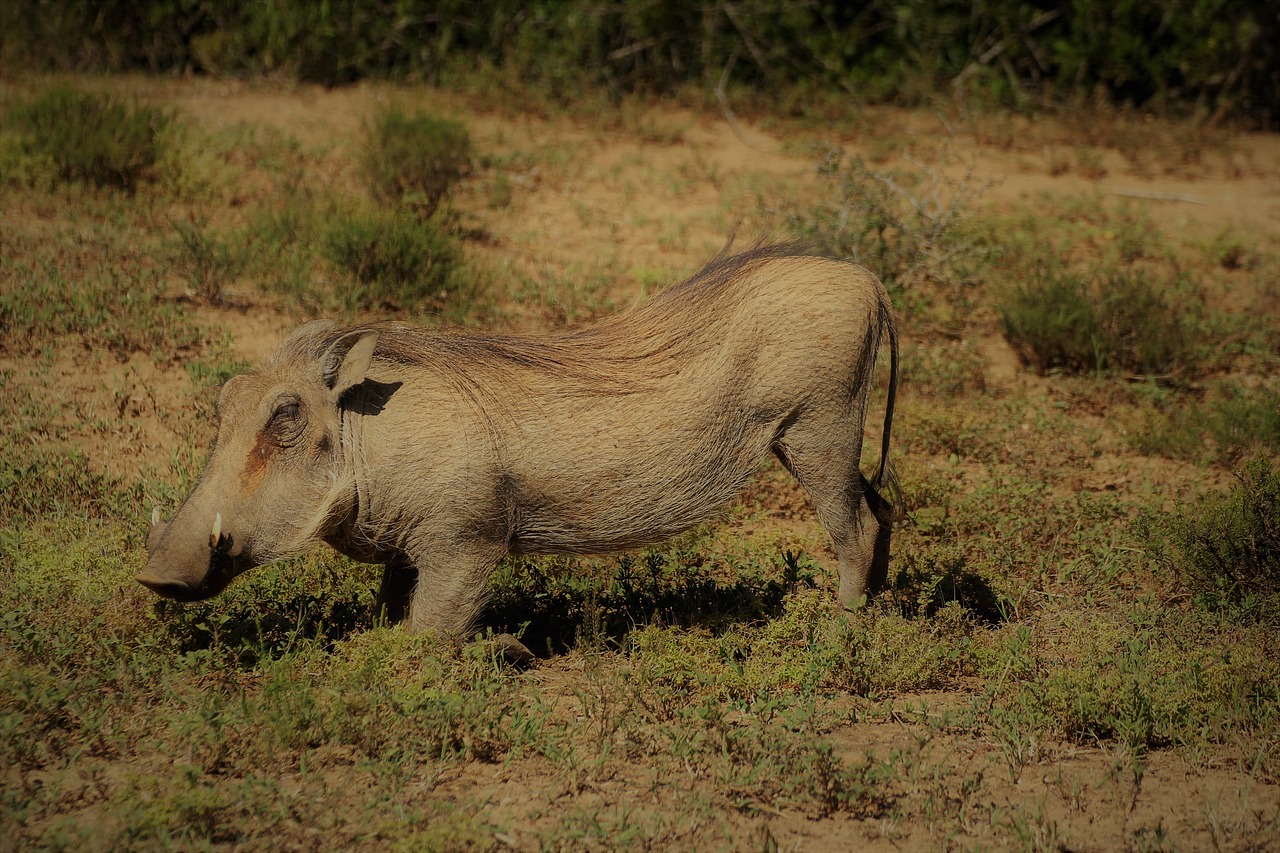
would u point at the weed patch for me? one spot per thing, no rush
(1118, 322)
(90, 137)
(928, 582)
(414, 159)
(321, 597)
(394, 260)
(1133, 682)
(41, 484)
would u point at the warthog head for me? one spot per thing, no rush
(276, 477)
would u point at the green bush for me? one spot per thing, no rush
(1209, 54)
(399, 261)
(91, 137)
(1226, 549)
(415, 159)
(1122, 322)
(1220, 429)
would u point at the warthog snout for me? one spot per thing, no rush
(176, 590)
(187, 570)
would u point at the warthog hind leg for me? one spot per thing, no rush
(823, 457)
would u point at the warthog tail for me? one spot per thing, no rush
(887, 503)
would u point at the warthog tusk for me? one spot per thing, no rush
(155, 516)
(217, 530)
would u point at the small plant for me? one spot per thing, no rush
(1228, 550)
(1122, 322)
(906, 225)
(91, 137)
(415, 159)
(208, 261)
(399, 261)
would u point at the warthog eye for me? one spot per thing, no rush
(286, 422)
(285, 412)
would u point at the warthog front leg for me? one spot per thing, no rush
(450, 594)
(399, 578)
(451, 587)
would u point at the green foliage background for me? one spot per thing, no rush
(1214, 56)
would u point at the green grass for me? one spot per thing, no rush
(286, 665)
(1046, 601)
(53, 290)
(85, 136)
(1122, 321)
(414, 159)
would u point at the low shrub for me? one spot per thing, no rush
(1118, 322)
(1226, 549)
(904, 224)
(415, 159)
(398, 261)
(91, 137)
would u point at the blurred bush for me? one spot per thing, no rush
(89, 137)
(415, 159)
(1216, 56)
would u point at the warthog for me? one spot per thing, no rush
(435, 453)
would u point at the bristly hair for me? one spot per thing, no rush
(621, 354)
(652, 339)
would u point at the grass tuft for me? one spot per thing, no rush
(91, 137)
(414, 159)
(1123, 321)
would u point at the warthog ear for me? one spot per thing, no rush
(345, 364)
